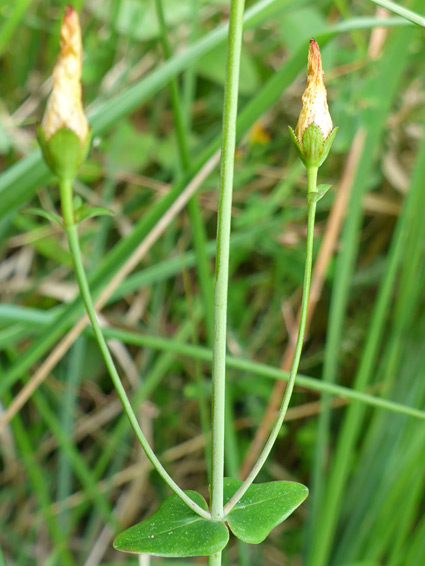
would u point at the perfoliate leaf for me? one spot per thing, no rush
(263, 507)
(175, 530)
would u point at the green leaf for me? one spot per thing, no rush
(77, 202)
(45, 214)
(263, 507)
(175, 530)
(323, 189)
(317, 195)
(84, 212)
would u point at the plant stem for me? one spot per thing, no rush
(312, 182)
(74, 246)
(222, 261)
(214, 559)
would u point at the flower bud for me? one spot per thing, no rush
(64, 131)
(314, 133)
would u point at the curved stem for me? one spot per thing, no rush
(312, 181)
(74, 246)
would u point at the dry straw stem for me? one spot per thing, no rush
(64, 345)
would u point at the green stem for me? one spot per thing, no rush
(222, 262)
(74, 246)
(214, 559)
(312, 182)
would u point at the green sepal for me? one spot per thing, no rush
(64, 151)
(262, 507)
(84, 212)
(54, 218)
(327, 145)
(312, 145)
(320, 191)
(297, 145)
(314, 148)
(174, 530)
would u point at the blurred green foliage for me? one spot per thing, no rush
(71, 472)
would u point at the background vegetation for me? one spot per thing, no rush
(72, 475)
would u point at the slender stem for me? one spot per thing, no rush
(74, 246)
(222, 262)
(312, 181)
(214, 559)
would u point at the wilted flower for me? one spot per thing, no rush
(64, 130)
(64, 107)
(315, 105)
(314, 133)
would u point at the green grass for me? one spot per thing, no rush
(157, 120)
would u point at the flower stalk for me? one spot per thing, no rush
(313, 138)
(64, 139)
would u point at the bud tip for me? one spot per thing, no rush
(69, 10)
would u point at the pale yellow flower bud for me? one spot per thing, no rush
(314, 134)
(64, 107)
(315, 105)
